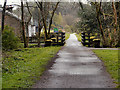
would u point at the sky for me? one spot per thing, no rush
(84, 1)
(9, 2)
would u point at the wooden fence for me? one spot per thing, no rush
(90, 40)
(56, 39)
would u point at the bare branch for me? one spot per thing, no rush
(28, 8)
(52, 17)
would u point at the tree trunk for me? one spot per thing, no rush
(3, 15)
(52, 18)
(40, 6)
(39, 32)
(27, 23)
(115, 17)
(45, 27)
(115, 39)
(23, 26)
(27, 39)
(44, 20)
(100, 24)
(117, 4)
(39, 29)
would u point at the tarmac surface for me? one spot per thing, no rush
(104, 48)
(76, 67)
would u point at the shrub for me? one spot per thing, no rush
(9, 40)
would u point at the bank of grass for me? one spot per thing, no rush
(78, 36)
(67, 35)
(21, 45)
(110, 59)
(22, 68)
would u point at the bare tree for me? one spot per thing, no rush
(45, 11)
(52, 17)
(40, 26)
(41, 21)
(43, 15)
(28, 22)
(23, 25)
(3, 15)
(112, 28)
(98, 12)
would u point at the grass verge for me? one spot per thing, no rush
(22, 68)
(79, 37)
(67, 35)
(110, 59)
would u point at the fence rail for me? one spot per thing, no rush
(56, 39)
(90, 40)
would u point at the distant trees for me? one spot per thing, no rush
(58, 20)
(69, 14)
(87, 21)
(67, 28)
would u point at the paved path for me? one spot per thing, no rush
(104, 48)
(76, 67)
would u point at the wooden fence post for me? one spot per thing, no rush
(83, 38)
(63, 38)
(57, 37)
(88, 39)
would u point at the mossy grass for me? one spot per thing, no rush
(22, 68)
(78, 36)
(110, 59)
(67, 35)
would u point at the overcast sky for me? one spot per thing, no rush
(84, 1)
(9, 2)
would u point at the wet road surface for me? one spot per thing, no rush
(75, 67)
